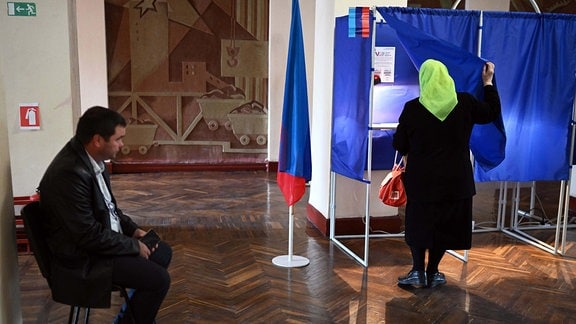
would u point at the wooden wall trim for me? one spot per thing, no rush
(273, 167)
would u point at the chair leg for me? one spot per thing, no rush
(86, 314)
(74, 315)
(128, 309)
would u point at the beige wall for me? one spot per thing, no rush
(47, 64)
(90, 58)
(493, 5)
(9, 288)
(37, 69)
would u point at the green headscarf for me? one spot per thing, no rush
(437, 90)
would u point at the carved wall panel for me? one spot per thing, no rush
(190, 76)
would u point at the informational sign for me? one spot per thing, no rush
(29, 116)
(22, 9)
(384, 63)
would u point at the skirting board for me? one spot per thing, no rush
(353, 225)
(572, 205)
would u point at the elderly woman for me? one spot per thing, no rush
(433, 135)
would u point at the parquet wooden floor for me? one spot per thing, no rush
(226, 227)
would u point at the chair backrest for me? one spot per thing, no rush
(36, 233)
(34, 219)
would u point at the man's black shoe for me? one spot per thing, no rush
(413, 278)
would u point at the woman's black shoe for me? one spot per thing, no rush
(413, 278)
(436, 279)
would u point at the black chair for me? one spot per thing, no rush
(32, 216)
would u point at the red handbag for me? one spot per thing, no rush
(392, 191)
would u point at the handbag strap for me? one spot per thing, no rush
(396, 162)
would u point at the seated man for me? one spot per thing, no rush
(93, 243)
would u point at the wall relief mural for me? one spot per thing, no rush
(191, 77)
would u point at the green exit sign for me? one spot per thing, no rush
(21, 9)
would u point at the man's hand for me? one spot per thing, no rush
(138, 233)
(144, 251)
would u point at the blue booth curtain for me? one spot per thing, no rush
(352, 68)
(351, 100)
(459, 27)
(488, 141)
(535, 57)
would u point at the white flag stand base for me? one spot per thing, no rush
(290, 261)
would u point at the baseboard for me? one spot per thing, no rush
(353, 225)
(272, 166)
(572, 205)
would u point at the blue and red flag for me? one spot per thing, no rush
(294, 162)
(359, 21)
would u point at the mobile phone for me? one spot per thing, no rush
(150, 239)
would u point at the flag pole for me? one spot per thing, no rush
(290, 231)
(294, 161)
(290, 260)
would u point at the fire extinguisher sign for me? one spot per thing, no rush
(29, 116)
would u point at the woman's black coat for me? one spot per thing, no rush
(438, 154)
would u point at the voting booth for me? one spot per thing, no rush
(377, 54)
